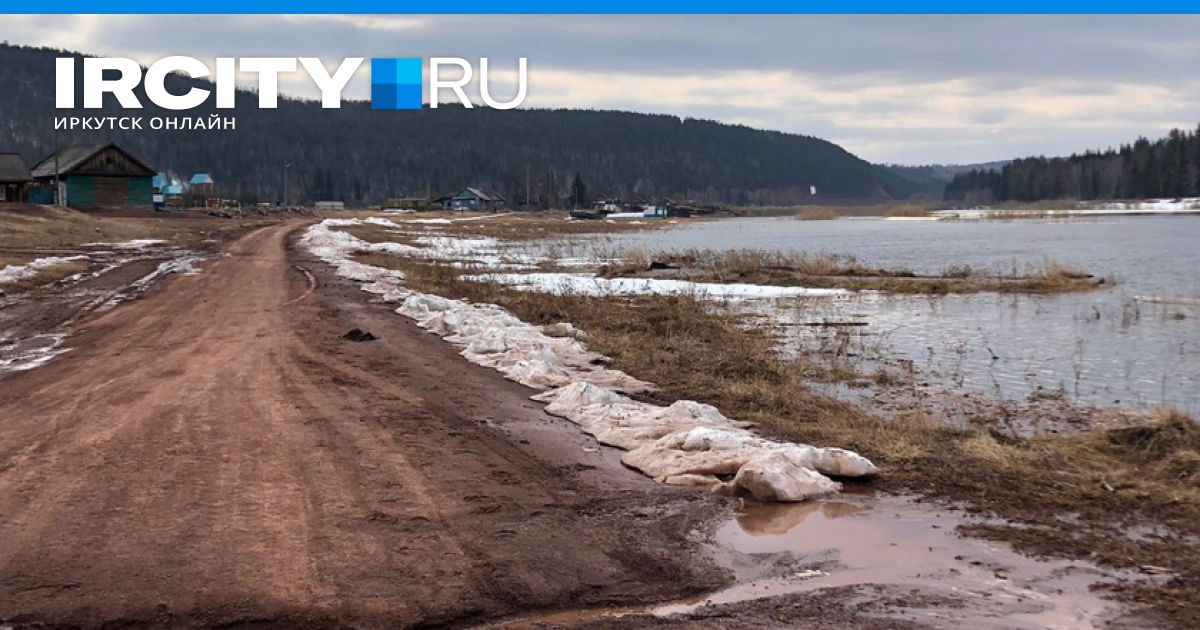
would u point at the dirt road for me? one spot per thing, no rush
(214, 454)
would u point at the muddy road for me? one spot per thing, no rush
(215, 454)
(212, 452)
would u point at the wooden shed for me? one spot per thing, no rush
(14, 178)
(98, 176)
(203, 189)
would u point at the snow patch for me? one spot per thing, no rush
(15, 273)
(589, 284)
(26, 354)
(686, 443)
(137, 243)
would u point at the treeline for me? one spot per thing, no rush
(364, 156)
(1166, 168)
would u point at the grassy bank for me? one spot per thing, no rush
(31, 227)
(837, 271)
(1081, 496)
(519, 226)
(749, 266)
(821, 213)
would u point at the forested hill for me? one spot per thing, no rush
(360, 155)
(1165, 168)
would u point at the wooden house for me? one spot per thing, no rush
(478, 199)
(173, 195)
(14, 178)
(97, 176)
(202, 189)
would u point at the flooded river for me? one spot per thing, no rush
(1108, 347)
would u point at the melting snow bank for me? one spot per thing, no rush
(588, 284)
(137, 243)
(26, 354)
(14, 273)
(686, 443)
(691, 443)
(184, 264)
(1084, 209)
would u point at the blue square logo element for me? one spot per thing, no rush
(396, 84)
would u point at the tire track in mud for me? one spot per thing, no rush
(213, 453)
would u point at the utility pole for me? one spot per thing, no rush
(57, 186)
(285, 183)
(526, 186)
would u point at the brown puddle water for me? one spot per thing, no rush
(909, 549)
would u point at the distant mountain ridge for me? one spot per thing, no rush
(929, 181)
(363, 156)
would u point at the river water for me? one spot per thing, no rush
(1105, 347)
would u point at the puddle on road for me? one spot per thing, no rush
(911, 550)
(891, 541)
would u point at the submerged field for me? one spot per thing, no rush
(1089, 494)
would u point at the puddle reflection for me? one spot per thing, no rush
(775, 519)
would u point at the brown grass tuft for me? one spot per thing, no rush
(817, 214)
(695, 351)
(47, 227)
(840, 271)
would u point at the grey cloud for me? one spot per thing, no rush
(996, 61)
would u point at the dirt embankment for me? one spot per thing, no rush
(216, 454)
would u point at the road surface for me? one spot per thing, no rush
(214, 454)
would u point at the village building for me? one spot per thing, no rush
(97, 176)
(173, 195)
(14, 178)
(202, 189)
(478, 199)
(611, 203)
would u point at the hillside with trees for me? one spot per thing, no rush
(363, 156)
(1165, 168)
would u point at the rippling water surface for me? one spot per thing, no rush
(1103, 347)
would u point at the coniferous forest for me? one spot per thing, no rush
(363, 156)
(1165, 168)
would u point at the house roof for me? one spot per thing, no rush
(474, 192)
(201, 178)
(176, 189)
(13, 169)
(70, 157)
(483, 194)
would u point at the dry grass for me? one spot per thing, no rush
(1049, 488)
(817, 214)
(874, 210)
(908, 211)
(521, 226)
(47, 228)
(840, 271)
(380, 234)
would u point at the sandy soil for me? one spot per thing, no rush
(215, 454)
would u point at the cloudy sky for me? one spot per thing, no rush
(908, 89)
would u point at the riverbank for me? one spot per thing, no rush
(1085, 495)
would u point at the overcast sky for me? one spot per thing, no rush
(907, 89)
